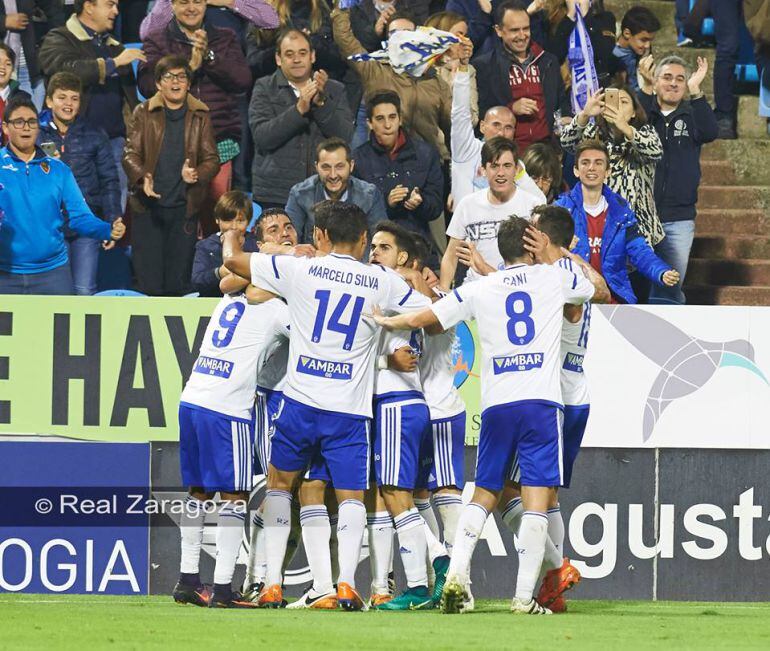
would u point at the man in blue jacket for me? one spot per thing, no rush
(683, 127)
(70, 137)
(333, 182)
(33, 190)
(605, 227)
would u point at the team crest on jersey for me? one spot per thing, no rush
(324, 368)
(573, 362)
(519, 362)
(212, 366)
(45, 167)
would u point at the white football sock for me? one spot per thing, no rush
(316, 532)
(257, 565)
(229, 537)
(450, 507)
(380, 526)
(350, 536)
(469, 529)
(556, 528)
(512, 515)
(413, 547)
(435, 546)
(191, 530)
(426, 511)
(276, 515)
(334, 547)
(533, 534)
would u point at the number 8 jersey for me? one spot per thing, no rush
(519, 315)
(332, 346)
(239, 340)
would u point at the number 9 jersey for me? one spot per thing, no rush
(519, 315)
(332, 346)
(238, 341)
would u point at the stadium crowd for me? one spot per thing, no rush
(293, 101)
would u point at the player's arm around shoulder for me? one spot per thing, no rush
(580, 282)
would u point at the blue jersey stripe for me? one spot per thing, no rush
(275, 268)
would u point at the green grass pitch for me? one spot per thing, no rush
(92, 622)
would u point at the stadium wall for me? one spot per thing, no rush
(670, 498)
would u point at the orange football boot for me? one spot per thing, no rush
(559, 605)
(271, 597)
(379, 599)
(557, 582)
(348, 597)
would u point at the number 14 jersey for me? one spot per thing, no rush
(519, 315)
(332, 345)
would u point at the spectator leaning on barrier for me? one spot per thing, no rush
(634, 149)
(683, 126)
(233, 211)
(637, 32)
(219, 74)
(333, 181)
(467, 171)
(607, 233)
(170, 158)
(33, 190)
(66, 135)
(425, 100)
(85, 47)
(519, 74)
(405, 169)
(291, 111)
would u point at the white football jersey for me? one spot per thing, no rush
(574, 339)
(391, 383)
(519, 313)
(438, 375)
(332, 345)
(238, 340)
(272, 375)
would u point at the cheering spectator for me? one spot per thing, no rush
(467, 172)
(544, 168)
(479, 15)
(333, 182)
(33, 254)
(558, 18)
(478, 216)
(219, 74)
(85, 47)
(86, 151)
(637, 32)
(606, 229)
(232, 212)
(229, 14)
(405, 169)
(291, 111)
(170, 158)
(426, 105)
(683, 126)
(521, 75)
(308, 16)
(634, 150)
(18, 32)
(369, 20)
(9, 87)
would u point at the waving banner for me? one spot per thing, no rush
(581, 63)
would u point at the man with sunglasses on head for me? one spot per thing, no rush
(33, 254)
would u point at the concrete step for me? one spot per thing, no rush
(717, 172)
(730, 196)
(732, 221)
(750, 124)
(750, 158)
(743, 273)
(730, 247)
(730, 295)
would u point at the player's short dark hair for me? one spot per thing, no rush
(285, 33)
(343, 222)
(333, 144)
(640, 19)
(420, 251)
(509, 5)
(510, 238)
(21, 100)
(496, 147)
(402, 236)
(382, 97)
(401, 14)
(4, 47)
(270, 212)
(556, 222)
(591, 144)
(63, 81)
(231, 204)
(172, 62)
